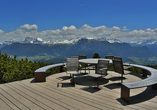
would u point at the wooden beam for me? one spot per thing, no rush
(40, 76)
(125, 93)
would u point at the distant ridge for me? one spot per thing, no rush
(83, 47)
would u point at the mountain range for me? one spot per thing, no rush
(53, 41)
(58, 52)
(38, 40)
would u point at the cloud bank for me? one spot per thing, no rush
(114, 32)
(1, 31)
(28, 27)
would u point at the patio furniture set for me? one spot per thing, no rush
(101, 66)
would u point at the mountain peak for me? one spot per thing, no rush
(145, 42)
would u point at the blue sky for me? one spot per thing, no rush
(127, 20)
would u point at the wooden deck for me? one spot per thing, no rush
(58, 94)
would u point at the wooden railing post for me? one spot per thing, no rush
(125, 93)
(40, 76)
(144, 72)
(61, 68)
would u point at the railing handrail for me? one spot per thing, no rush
(152, 79)
(45, 68)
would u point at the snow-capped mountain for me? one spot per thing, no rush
(54, 41)
(149, 42)
(73, 41)
(33, 40)
(114, 40)
(145, 42)
(69, 41)
(12, 41)
(26, 40)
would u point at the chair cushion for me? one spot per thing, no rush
(72, 72)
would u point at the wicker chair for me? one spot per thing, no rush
(109, 57)
(72, 66)
(101, 70)
(125, 67)
(82, 64)
(118, 67)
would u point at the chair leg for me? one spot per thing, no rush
(73, 79)
(80, 70)
(121, 78)
(85, 69)
(70, 76)
(97, 82)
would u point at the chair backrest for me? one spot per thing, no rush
(118, 66)
(118, 58)
(72, 64)
(109, 57)
(102, 64)
(74, 57)
(81, 57)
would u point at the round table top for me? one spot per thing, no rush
(93, 60)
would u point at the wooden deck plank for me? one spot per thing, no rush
(22, 99)
(100, 98)
(57, 93)
(4, 105)
(66, 98)
(7, 101)
(88, 97)
(78, 94)
(143, 106)
(13, 100)
(60, 98)
(29, 95)
(49, 101)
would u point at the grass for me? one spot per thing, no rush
(144, 61)
(37, 57)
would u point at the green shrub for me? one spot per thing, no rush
(13, 70)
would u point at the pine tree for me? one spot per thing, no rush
(96, 55)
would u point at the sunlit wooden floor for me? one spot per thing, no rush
(57, 93)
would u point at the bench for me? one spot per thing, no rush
(150, 81)
(40, 74)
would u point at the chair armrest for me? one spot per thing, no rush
(127, 67)
(127, 63)
(64, 63)
(103, 69)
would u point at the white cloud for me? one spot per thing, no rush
(155, 30)
(125, 29)
(64, 28)
(85, 31)
(148, 30)
(28, 27)
(1, 31)
(115, 28)
(19, 31)
(69, 28)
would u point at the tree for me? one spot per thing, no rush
(96, 55)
